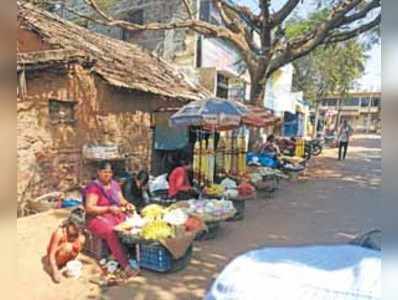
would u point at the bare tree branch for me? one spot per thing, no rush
(188, 7)
(242, 11)
(346, 35)
(291, 54)
(363, 13)
(274, 50)
(281, 15)
(232, 23)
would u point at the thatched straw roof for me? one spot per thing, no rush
(119, 63)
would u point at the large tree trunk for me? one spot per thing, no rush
(258, 81)
(257, 94)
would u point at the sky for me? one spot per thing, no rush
(371, 81)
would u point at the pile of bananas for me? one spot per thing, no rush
(215, 190)
(157, 230)
(153, 212)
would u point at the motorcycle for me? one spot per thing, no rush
(329, 139)
(314, 146)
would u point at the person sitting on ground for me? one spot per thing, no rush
(270, 146)
(135, 188)
(65, 243)
(180, 187)
(104, 206)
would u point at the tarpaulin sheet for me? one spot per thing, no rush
(338, 272)
(166, 137)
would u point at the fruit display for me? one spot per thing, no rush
(153, 212)
(215, 190)
(156, 230)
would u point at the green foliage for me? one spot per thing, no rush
(297, 26)
(330, 69)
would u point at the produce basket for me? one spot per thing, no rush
(210, 233)
(155, 257)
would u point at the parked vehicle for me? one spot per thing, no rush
(315, 146)
(329, 138)
(312, 272)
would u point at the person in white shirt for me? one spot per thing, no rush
(344, 134)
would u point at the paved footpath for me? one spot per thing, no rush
(333, 202)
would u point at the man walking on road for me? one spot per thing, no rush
(344, 137)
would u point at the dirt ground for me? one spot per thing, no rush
(333, 202)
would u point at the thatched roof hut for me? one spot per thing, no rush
(119, 63)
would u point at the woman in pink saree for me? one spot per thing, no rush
(104, 203)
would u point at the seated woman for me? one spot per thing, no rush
(65, 244)
(180, 187)
(104, 207)
(270, 146)
(134, 189)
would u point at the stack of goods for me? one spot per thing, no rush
(209, 210)
(162, 236)
(101, 152)
(204, 162)
(157, 223)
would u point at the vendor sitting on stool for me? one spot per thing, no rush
(66, 242)
(135, 188)
(180, 187)
(105, 207)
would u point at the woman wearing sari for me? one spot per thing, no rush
(104, 207)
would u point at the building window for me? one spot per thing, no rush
(61, 111)
(222, 86)
(376, 102)
(354, 101)
(135, 17)
(208, 13)
(365, 102)
(204, 14)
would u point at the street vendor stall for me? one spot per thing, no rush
(160, 239)
(216, 160)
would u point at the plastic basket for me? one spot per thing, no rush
(156, 257)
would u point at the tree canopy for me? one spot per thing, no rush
(259, 35)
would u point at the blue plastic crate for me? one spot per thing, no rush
(157, 258)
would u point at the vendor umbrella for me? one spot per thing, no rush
(214, 113)
(258, 117)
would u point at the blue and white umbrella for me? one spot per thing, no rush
(212, 113)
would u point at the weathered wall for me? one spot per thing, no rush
(177, 46)
(49, 153)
